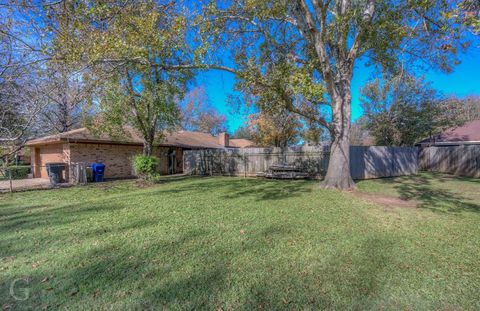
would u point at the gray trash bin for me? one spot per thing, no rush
(55, 172)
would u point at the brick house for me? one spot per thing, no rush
(81, 146)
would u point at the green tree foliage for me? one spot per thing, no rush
(286, 98)
(313, 134)
(243, 132)
(468, 14)
(402, 110)
(133, 49)
(323, 41)
(145, 166)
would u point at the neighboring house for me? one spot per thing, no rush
(81, 146)
(467, 134)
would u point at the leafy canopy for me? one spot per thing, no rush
(401, 110)
(130, 48)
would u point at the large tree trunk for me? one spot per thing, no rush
(148, 145)
(338, 173)
(148, 140)
(147, 149)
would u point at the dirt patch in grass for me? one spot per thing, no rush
(387, 201)
(142, 183)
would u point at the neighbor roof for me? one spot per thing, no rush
(183, 139)
(469, 133)
(241, 143)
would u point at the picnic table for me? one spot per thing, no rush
(284, 171)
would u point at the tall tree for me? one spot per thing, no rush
(68, 96)
(402, 110)
(314, 134)
(330, 36)
(360, 135)
(22, 54)
(279, 128)
(199, 115)
(456, 110)
(20, 107)
(243, 131)
(134, 49)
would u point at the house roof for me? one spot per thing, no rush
(185, 139)
(466, 134)
(241, 143)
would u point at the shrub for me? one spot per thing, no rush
(145, 167)
(18, 172)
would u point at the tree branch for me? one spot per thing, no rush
(198, 66)
(308, 27)
(357, 41)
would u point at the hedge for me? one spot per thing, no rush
(18, 172)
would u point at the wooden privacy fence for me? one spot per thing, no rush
(382, 161)
(365, 162)
(462, 160)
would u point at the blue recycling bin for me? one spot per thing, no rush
(98, 170)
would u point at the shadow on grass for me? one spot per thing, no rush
(422, 188)
(235, 187)
(33, 216)
(182, 272)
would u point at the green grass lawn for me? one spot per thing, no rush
(232, 243)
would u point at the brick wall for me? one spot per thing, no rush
(117, 158)
(44, 154)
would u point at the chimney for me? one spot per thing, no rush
(223, 139)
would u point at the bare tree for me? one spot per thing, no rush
(22, 55)
(68, 95)
(20, 107)
(198, 114)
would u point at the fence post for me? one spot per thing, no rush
(210, 164)
(393, 166)
(84, 173)
(77, 173)
(244, 164)
(10, 179)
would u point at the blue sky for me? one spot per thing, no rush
(464, 80)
